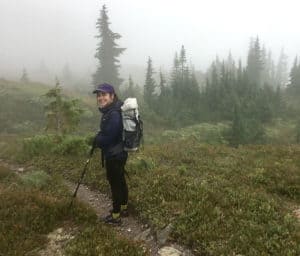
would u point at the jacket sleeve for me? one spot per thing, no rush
(111, 131)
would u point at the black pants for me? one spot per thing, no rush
(115, 173)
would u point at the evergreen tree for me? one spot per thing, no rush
(193, 92)
(270, 75)
(150, 85)
(230, 64)
(239, 80)
(265, 66)
(165, 97)
(237, 132)
(182, 64)
(129, 91)
(293, 74)
(254, 63)
(281, 70)
(62, 115)
(212, 90)
(295, 77)
(176, 77)
(162, 84)
(107, 53)
(244, 130)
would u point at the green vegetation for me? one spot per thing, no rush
(108, 52)
(100, 240)
(22, 109)
(54, 144)
(34, 204)
(220, 200)
(297, 130)
(63, 115)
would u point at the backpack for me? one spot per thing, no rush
(132, 125)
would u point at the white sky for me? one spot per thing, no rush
(61, 31)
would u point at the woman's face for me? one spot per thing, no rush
(104, 99)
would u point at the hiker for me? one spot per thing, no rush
(109, 140)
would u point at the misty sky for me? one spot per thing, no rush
(62, 31)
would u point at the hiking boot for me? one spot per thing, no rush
(112, 220)
(123, 213)
(124, 210)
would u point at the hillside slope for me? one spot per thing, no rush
(22, 107)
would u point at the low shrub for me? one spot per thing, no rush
(35, 179)
(54, 144)
(203, 133)
(71, 146)
(39, 145)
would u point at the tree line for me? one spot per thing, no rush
(248, 95)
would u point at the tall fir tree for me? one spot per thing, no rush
(182, 64)
(281, 70)
(129, 91)
(107, 53)
(150, 85)
(193, 91)
(162, 84)
(165, 97)
(295, 76)
(269, 71)
(255, 63)
(175, 77)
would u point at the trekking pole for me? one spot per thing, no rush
(82, 176)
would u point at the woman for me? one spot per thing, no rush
(109, 139)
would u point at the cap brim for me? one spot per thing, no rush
(96, 91)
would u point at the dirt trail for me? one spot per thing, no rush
(130, 227)
(157, 243)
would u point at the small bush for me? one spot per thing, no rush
(36, 179)
(204, 132)
(71, 146)
(143, 163)
(52, 144)
(37, 145)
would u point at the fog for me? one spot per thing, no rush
(48, 34)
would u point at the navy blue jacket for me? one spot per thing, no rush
(110, 137)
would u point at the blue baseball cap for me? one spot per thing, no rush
(104, 88)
